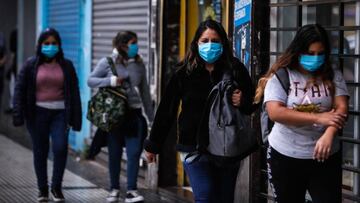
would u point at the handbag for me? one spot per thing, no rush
(108, 107)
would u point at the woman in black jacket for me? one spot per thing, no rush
(209, 57)
(47, 99)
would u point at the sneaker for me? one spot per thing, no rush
(57, 195)
(133, 196)
(113, 196)
(43, 196)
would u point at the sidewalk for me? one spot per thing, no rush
(18, 182)
(85, 183)
(17, 176)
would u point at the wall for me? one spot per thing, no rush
(8, 17)
(29, 34)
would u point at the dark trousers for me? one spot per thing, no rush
(211, 182)
(290, 178)
(132, 133)
(49, 123)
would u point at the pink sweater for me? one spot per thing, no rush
(49, 83)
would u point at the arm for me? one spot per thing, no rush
(20, 93)
(76, 114)
(165, 115)
(100, 76)
(278, 112)
(146, 96)
(243, 98)
(323, 145)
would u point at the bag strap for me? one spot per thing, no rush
(112, 65)
(283, 76)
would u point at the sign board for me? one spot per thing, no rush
(242, 31)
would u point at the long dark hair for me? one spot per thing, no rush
(43, 36)
(306, 35)
(122, 39)
(193, 60)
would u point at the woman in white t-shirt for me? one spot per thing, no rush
(303, 151)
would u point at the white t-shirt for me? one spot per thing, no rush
(299, 141)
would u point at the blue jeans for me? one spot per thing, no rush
(210, 182)
(49, 123)
(132, 133)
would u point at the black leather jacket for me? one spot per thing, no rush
(24, 102)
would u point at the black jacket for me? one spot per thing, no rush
(193, 90)
(24, 101)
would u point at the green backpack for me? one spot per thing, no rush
(108, 106)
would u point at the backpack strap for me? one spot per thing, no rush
(283, 76)
(112, 65)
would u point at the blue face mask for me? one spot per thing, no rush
(312, 62)
(133, 50)
(49, 50)
(210, 52)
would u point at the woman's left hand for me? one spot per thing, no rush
(236, 97)
(323, 147)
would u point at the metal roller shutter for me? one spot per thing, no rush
(64, 16)
(112, 16)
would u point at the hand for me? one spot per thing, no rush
(323, 147)
(150, 157)
(236, 97)
(331, 118)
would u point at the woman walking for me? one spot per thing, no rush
(131, 75)
(47, 99)
(209, 58)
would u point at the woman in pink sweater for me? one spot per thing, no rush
(47, 99)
